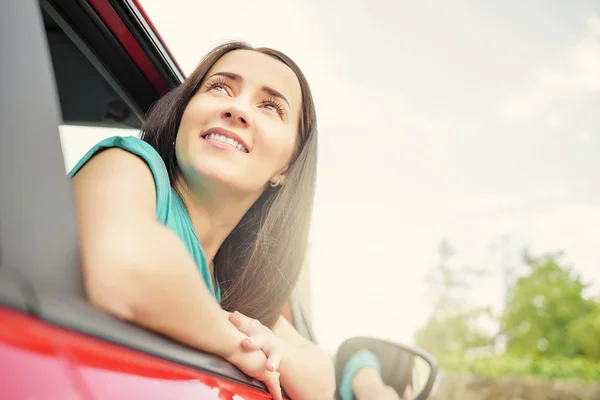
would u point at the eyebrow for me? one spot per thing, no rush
(236, 77)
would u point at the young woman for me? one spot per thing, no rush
(198, 230)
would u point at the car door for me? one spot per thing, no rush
(53, 344)
(28, 106)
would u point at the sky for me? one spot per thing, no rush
(465, 121)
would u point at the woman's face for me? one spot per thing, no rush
(240, 128)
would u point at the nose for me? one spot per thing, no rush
(236, 114)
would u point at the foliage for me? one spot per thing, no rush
(548, 327)
(449, 282)
(453, 327)
(543, 307)
(584, 332)
(455, 333)
(577, 369)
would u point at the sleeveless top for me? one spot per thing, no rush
(170, 208)
(171, 212)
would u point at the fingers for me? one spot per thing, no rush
(265, 343)
(273, 385)
(259, 338)
(408, 394)
(236, 319)
(274, 359)
(258, 342)
(246, 325)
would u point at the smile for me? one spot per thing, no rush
(226, 140)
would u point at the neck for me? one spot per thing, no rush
(214, 213)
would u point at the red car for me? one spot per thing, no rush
(93, 63)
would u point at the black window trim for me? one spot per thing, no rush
(91, 32)
(92, 58)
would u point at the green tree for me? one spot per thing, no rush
(454, 334)
(542, 307)
(450, 283)
(584, 332)
(453, 327)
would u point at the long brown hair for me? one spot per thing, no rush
(258, 264)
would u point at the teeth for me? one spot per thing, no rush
(224, 139)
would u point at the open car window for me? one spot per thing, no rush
(76, 140)
(88, 93)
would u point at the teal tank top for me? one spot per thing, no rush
(170, 208)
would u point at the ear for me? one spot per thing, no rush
(281, 176)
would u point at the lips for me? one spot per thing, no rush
(224, 136)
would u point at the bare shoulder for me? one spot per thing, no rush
(115, 202)
(115, 181)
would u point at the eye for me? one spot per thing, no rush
(273, 105)
(218, 85)
(220, 88)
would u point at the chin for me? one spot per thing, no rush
(220, 173)
(218, 178)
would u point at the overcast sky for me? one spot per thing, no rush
(461, 120)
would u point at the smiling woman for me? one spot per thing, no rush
(198, 230)
(228, 93)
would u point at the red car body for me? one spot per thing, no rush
(43, 361)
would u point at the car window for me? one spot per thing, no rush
(93, 106)
(76, 140)
(88, 93)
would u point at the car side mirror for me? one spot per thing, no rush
(410, 371)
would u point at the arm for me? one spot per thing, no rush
(361, 379)
(138, 269)
(367, 384)
(306, 370)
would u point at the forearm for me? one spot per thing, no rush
(367, 384)
(364, 381)
(307, 373)
(155, 283)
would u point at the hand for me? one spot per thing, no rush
(259, 338)
(383, 393)
(408, 393)
(259, 353)
(252, 363)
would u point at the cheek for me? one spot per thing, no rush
(280, 148)
(194, 116)
(189, 132)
